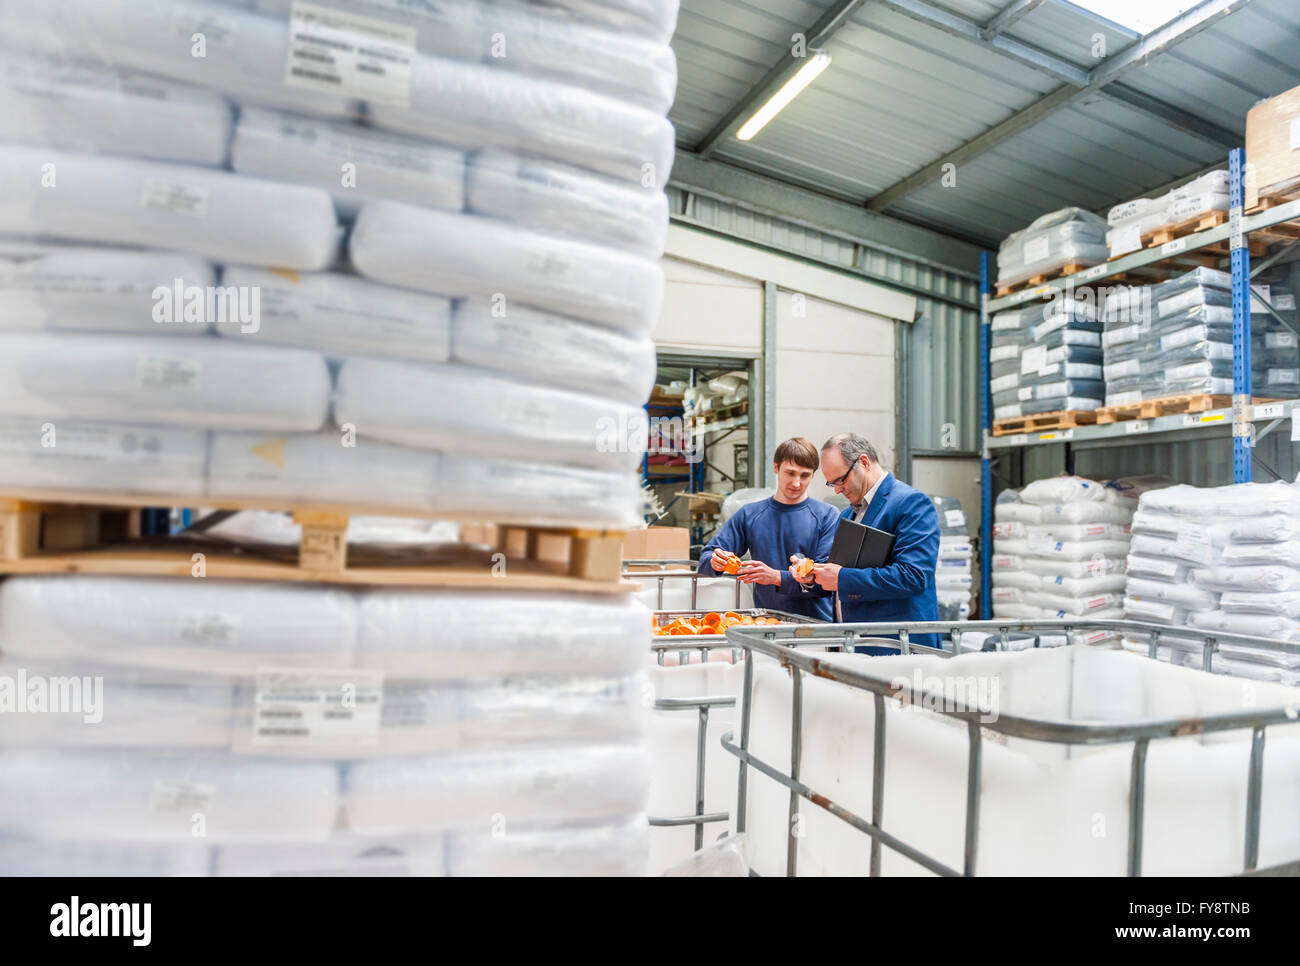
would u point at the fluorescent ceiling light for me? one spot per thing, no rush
(788, 92)
(1142, 17)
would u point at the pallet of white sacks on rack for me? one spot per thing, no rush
(49, 532)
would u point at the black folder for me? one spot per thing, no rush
(857, 546)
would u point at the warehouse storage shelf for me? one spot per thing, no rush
(1163, 260)
(1135, 431)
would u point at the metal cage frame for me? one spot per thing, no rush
(702, 705)
(781, 644)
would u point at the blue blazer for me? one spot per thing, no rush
(903, 589)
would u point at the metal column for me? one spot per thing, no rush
(765, 452)
(986, 426)
(1243, 430)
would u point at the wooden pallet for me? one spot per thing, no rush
(1170, 406)
(1165, 406)
(1275, 197)
(1041, 422)
(726, 412)
(1069, 268)
(46, 533)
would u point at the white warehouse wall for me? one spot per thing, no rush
(834, 372)
(834, 334)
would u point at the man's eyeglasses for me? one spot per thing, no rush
(840, 481)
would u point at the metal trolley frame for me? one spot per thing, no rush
(781, 643)
(703, 643)
(663, 574)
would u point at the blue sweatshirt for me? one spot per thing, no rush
(771, 532)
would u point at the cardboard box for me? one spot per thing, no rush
(657, 543)
(1273, 147)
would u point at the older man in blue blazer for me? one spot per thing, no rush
(903, 589)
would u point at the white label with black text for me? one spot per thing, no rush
(296, 705)
(350, 55)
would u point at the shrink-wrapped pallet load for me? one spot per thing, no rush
(354, 255)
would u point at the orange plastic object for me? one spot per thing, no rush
(803, 568)
(733, 566)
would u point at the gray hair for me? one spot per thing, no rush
(851, 446)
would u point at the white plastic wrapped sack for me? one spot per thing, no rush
(174, 382)
(455, 408)
(444, 635)
(530, 40)
(317, 467)
(464, 255)
(243, 54)
(491, 488)
(568, 201)
(525, 785)
(112, 457)
(343, 315)
(555, 350)
(284, 147)
(137, 797)
(79, 106)
(94, 289)
(475, 106)
(189, 626)
(227, 217)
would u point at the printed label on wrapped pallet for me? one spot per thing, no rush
(296, 705)
(179, 199)
(178, 796)
(154, 372)
(350, 55)
(954, 518)
(1193, 543)
(1284, 303)
(1281, 340)
(1126, 239)
(207, 627)
(1003, 561)
(1037, 249)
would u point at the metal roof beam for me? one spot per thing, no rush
(951, 23)
(1157, 42)
(1174, 116)
(764, 195)
(816, 36)
(1008, 16)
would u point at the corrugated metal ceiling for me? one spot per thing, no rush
(900, 94)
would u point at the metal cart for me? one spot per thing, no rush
(659, 576)
(783, 644)
(702, 643)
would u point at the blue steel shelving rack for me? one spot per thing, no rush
(1244, 413)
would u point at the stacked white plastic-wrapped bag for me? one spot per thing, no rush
(953, 580)
(1046, 358)
(1224, 559)
(1059, 548)
(1052, 242)
(1175, 339)
(345, 251)
(208, 727)
(388, 229)
(1131, 222)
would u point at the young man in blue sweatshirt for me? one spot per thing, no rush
(772, 530)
